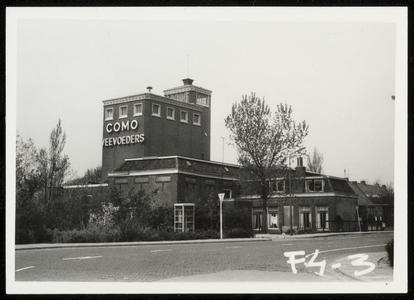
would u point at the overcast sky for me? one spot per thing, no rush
(338, 76)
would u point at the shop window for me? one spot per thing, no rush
(273, 218)
(184, 116)
(109, 114)
(315, 185)
(138, 109)
(156, 110)
(322, 217)
(196, 119)
(123, 112)
(305, 217)
(170, 113)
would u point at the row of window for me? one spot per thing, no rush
(305, 218)
(156, 112)
(312, 185)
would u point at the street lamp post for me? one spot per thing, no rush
(221, 197)
(290, 193)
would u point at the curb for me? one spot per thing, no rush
(347, 275)
(85, 245)
(319, 235)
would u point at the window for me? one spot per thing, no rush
(305, 217)
(257, 219)
(277, 186)
(138, 109)
(184, 116)
(273, 218)
(322, 217)
(170, 113)
(227, 193)
(156, 110)
(196, 119)
(109, 114)
(123, 112)
(315, 185)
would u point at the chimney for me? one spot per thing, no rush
(363, 182)
(188, 81)
(300, 169)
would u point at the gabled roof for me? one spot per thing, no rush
(374, 191)
(363, 200)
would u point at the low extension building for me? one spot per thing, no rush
(376, 205)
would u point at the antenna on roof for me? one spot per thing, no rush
(188, 64)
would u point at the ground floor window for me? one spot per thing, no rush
(322, 217)
(257, 219)
(273, 218)
(305, 217)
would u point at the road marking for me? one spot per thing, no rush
(80, 258)
(24, 268)
(346, 238)
(287, 244)
(160, 250)
(331, 242)
(233, 247)
(333, 250)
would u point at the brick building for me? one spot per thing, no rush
(149, 125)
(162, 144)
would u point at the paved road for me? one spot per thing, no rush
(166, 262)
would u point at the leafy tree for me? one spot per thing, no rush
(263, 143)
(315, 163)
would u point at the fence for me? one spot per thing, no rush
(349, 226)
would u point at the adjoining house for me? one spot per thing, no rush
(376, 205)
(319, 203)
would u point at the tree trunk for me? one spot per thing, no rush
(264, 219)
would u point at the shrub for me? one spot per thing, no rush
(288, 231)
(25, 236)
(131, 230)
(236, 217)
(304, 231)
(389, 247)
(239, 233)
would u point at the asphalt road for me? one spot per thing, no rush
(164, 262)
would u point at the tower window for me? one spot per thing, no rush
(109, 114)
(197, 119)
(170, 113)
(156, 110)
(123, 111)
(184, 116)
(138, 109)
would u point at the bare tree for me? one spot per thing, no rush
(315, 163)
(53, 165)
(263, 143)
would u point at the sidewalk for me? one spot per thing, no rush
(316, 235)
(382, 272)
(79, 245)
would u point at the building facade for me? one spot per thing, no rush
(149, 125)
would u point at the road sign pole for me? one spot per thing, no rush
(221, 197)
